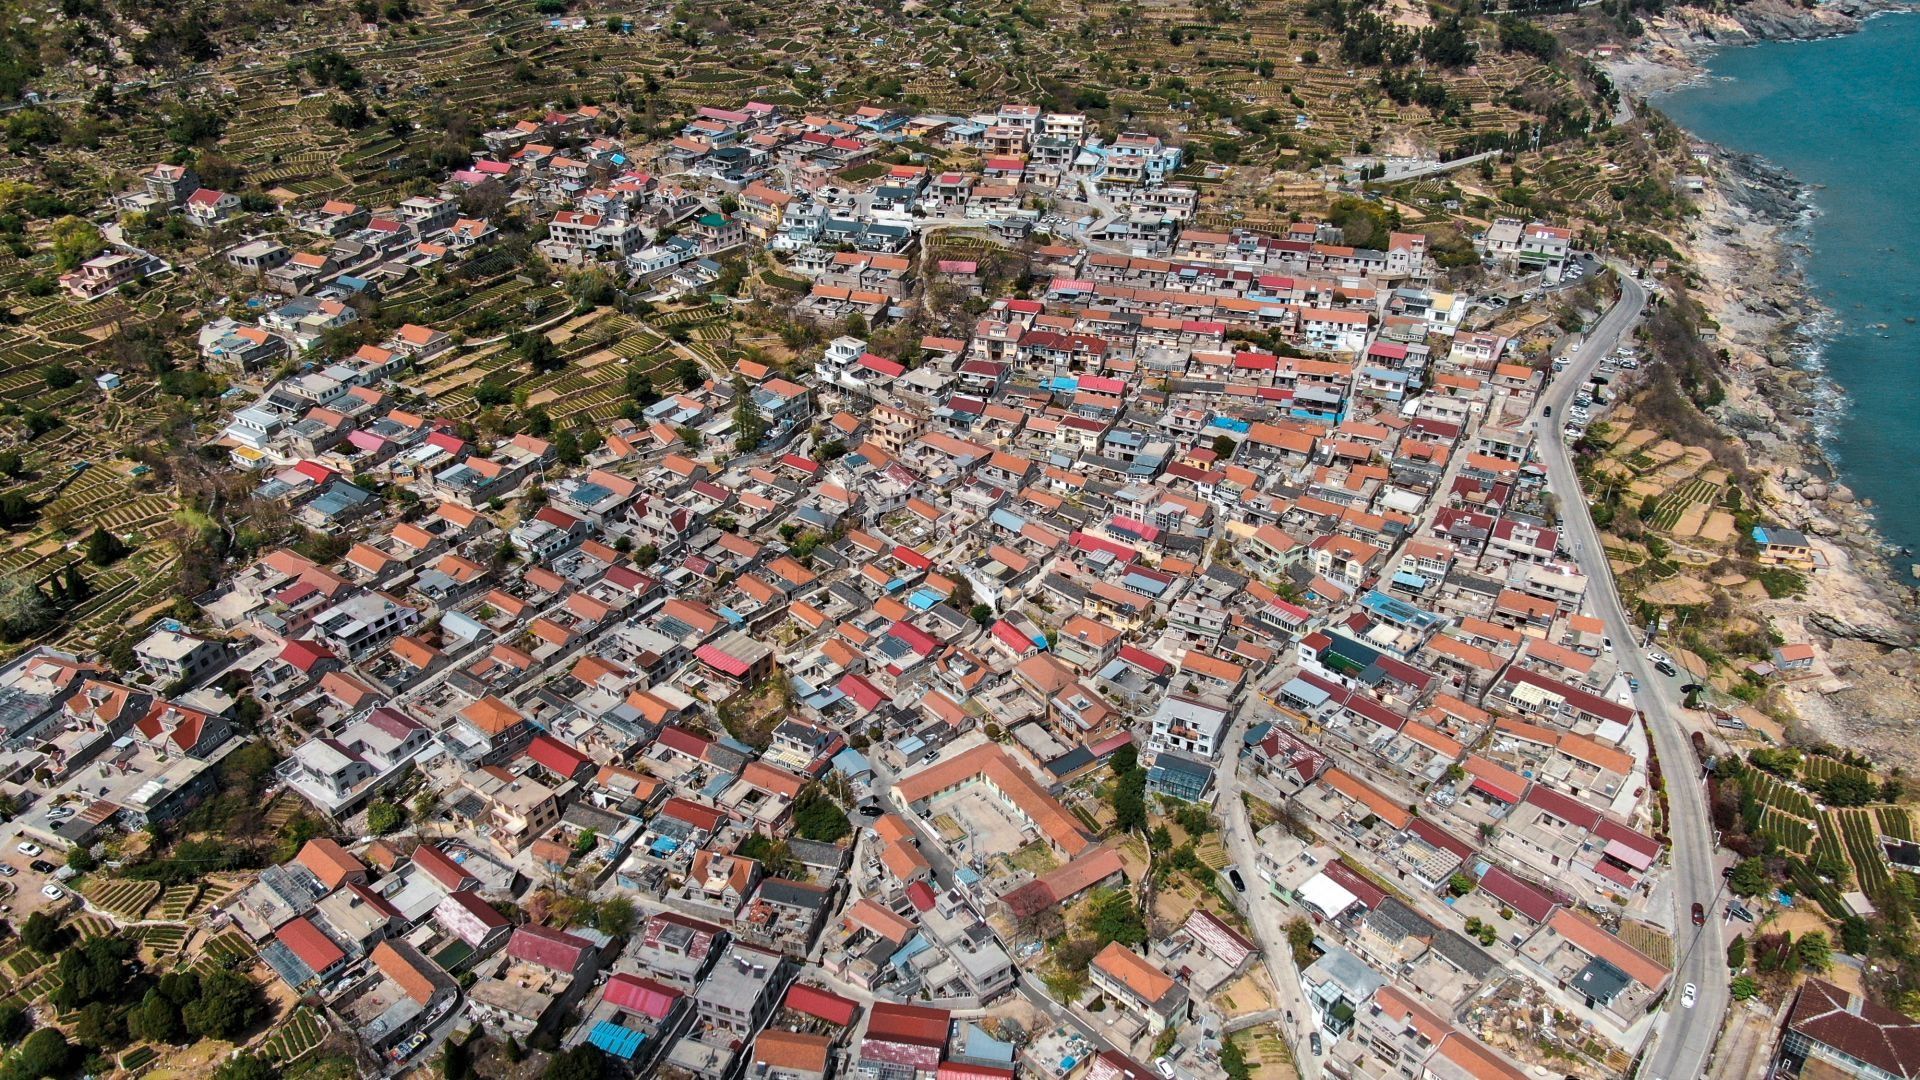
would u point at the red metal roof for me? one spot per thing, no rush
(822, 1005)
(550, 948)
(914, 1025)
(647, 996)
(315, 949)
(1517, 894)
(721, 660)
(555, 756)
(920, 895)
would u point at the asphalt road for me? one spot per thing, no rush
(1684, 1037)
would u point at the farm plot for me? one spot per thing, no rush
(1895, 821)
(1816, 769)
(1771, 792)
(1791, 833)
(1827, 844)
(127, 899)
(1861, 835)
(178, 902)
(294, 1036)
(87, 926)
(164, 941)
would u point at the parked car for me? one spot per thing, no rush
(1666, 669)
(42, 866)
(1239, 883)
(30, 849)
(1689, 996)
(8, 870)
(53, 892)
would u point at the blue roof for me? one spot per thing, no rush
(852, 762)
(985, 1047)
(911, 949)
(589, 493)
(1007, 520)
(922, 599)
(619, 1041)
(664, 845)
(1410, 579)
(1064, 382)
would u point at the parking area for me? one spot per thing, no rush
(27, 876)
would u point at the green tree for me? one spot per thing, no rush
(13, 1024)
(228, 1005)
(246, 1067)
(103, 547)
(1114, 916)
(15, 508)
(1743, 987)
(1224, 446)
(583, 1062)
(614, 916)
(43, 934)
(98, 970)
(75, 240)
(817, 817)
(1749, 877)
(155, 1019)
(749, 425)
(1737, 952)
(1813, 952)
(538, 350)
(46, 1052)
(1300, 942)
(384, 817)
(1130, 800)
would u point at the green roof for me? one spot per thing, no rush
(712, 221)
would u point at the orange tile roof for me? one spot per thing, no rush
(1591, 938)
(1363, 793)
(991, 763)
(1131, 970)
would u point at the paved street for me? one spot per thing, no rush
(1682, 1042)
(1266, 916)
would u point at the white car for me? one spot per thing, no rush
(1688, 996)
(1657, 656)
(53, 892)
(30, 849)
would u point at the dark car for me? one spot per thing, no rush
(1239, 883)
(1666, 669)
(1548, 411)
(41, 866)
(1699, 915)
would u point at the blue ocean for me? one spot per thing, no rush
(1844, 114)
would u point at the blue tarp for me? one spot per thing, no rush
(616, 1040)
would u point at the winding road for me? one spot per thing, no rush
(1683, 1038)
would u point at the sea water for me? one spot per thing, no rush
(1843, 114)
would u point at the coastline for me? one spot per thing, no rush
(1862, 613)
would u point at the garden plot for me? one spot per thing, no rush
(127, 899)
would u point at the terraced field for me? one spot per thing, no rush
(1895, 821)
(127, 899)
(293, 1037)
(1860, 834)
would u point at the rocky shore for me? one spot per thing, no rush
(1861, 612)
